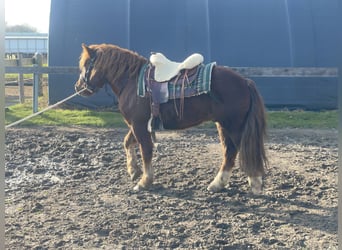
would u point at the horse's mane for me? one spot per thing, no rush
(115, 61)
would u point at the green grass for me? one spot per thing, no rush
(302, 119)
(64, 117)
(14, 76)
(67, 117)
(10, 76)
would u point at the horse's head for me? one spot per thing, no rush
(91, 79)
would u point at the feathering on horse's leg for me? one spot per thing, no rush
(132, 164)
(229, 154)
(146, 148)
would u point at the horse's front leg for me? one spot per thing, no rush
(146, 148)
(132, 164)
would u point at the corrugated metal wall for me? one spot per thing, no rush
(263, 33)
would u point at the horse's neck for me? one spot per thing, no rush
(128, 67)
(119, 83)
(124, 80)
(125, 71)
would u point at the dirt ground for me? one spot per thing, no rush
(12, 93)
(67, 188)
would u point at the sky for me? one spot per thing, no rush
(32, 12)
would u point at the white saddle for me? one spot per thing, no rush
(166, 69)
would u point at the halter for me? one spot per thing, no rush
(86, 77)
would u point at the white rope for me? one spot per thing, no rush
(42, 111)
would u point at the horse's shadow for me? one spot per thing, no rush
(161, 190)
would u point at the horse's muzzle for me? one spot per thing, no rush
(84, 90)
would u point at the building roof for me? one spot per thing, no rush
(26, 42)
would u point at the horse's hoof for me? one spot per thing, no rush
(138, 188)
(256, 185)
(143, 184)
(256, 191)
(135, 175)
(214, 188)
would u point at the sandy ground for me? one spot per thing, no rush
(67, 188)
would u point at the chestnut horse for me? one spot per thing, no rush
(233, 103)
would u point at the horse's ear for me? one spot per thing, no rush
(91, 52)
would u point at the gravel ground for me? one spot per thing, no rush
(67, 188)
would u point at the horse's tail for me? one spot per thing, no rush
(253, 159)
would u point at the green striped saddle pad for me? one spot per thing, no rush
(189, 83)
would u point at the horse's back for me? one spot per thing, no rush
(225, 81)
(231, 91)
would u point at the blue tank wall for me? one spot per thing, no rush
(247, 33)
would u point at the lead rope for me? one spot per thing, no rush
(46, 109)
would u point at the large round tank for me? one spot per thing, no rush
(246, 33)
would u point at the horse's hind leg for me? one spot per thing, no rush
(132, 164)
(229, 155)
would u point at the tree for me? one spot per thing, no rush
(20, 28)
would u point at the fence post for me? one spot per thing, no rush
(37, 83)
(21, 79)
(38, 59)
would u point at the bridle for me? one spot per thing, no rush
(86, 77)
(91, 88)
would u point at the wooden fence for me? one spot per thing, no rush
(37, 70)
(246, 71)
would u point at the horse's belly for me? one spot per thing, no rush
(194, 111)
